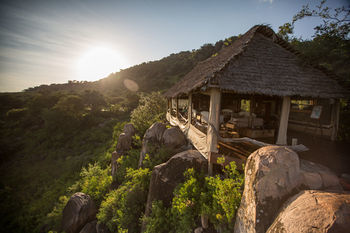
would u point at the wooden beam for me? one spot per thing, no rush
(282, 131)
(335, 119)
(296, 148)
(213, 124)
(238, 153)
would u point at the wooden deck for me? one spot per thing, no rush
(332, 154)
(335, 155)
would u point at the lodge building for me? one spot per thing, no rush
(251, 94)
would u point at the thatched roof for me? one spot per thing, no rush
(259, 62)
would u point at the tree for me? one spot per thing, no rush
(71, 105)
(336, 23)
(94, 100)
(330, 47)
(41, 101)
(151, 109)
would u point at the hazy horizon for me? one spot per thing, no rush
(45, 42)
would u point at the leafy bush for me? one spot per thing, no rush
(186, 202)
(157, 155)
(215, 197)
(122, 208)
(59, 122)
(16, 113)
(160, 219)
(130, 160)
(117, 130)
(94, 100)
(55, 216)
(151, 108)
(71, 105)
(222, 197)
(95, 181)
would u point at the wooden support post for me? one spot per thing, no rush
(172, 105)
(189, 109)
(213, 125)
(252, 105)
(177, 108)
(335, 119)
(251, 111)
(282, 131)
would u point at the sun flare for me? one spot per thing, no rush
(97, 63)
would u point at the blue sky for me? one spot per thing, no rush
(42, 41)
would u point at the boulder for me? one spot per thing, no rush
(79, 210)
(155, 132)
(89, 227)
(125, 139)
(166, 176)
(272, 175)
(174, 138)
(129, 130)
(317, 176)
(152, 137)
(314, 211)
(124, 143)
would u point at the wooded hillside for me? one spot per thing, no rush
(48, 133)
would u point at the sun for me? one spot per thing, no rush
(97, 63)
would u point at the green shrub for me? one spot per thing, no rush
(221, 198)
(151, 108)
(129, 160)
(160, 219)
(95, 181)
(122, 208)
(71, 105)
(54, 217)
(186, 202)
(216, 197)
(16, 113)
(156, 155)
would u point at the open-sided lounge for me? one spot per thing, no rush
(250, 94)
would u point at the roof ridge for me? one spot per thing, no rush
(242, 49)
